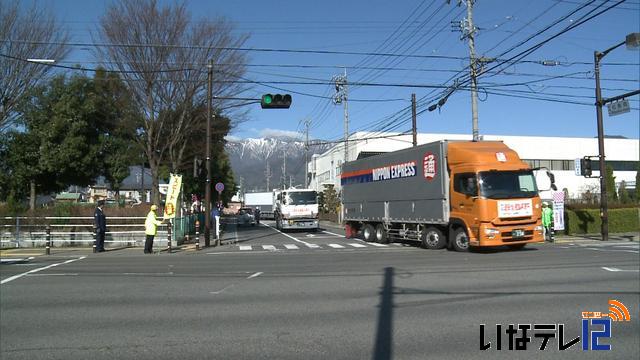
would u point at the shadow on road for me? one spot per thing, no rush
(384, 335)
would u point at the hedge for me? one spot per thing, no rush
(587, 221)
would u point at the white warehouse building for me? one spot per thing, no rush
(556, 153)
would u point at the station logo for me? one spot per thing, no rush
(596, 332)
(429, 166)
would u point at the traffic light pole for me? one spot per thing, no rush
(604, 226)
(600, 102)
(207, 190)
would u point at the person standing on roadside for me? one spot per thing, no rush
(151, 228)
(547, 218)
(100, 223)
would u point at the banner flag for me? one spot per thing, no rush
(173, 192)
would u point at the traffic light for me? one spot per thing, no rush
(275, 101)
(585, 167)
(199, 169)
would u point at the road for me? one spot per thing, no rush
(268, 295)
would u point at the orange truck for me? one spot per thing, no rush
(456, 194)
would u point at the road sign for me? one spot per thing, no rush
(618, 107)
(219, 187)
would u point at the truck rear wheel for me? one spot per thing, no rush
(368, 232)
(432, 238)
(460, 240)
(381, 234)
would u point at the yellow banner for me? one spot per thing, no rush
(170, 204)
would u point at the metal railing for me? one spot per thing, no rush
(60, 231)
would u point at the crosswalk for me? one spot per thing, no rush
(306, 245)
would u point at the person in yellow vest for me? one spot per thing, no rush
(151, 228)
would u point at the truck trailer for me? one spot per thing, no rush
(459, 194)
(296, 209)
(262, 201)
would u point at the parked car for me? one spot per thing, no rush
(246, 217)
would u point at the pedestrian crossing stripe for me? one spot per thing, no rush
(308, 245)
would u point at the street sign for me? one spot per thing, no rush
(576, 166)
(618, 107)
(219, 187)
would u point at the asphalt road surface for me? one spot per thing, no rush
(315, 295)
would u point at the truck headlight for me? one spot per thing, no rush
(538, 228)
(491, 233)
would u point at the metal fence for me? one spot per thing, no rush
(79, 231)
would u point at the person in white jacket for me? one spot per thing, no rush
(151, 229)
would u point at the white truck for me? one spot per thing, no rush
(296, 209)
(262, 201)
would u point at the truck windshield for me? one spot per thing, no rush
(507, 184)
(300, 198)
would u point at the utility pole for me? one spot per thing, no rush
(473, 70)
(207, 190)
(468, 31)
(284, 169)
(307, 123)
(267, 174)
(341, 97)
(414, 129)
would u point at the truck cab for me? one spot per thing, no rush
(296, 209)
(493, 197)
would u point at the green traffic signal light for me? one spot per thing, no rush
(276, 101)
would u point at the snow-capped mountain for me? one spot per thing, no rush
(260, 162)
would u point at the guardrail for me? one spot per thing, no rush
(59, 231)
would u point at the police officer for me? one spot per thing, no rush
(100, 223)
(151, 229)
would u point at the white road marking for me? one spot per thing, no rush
(245, 247)
(269, 247)
(255, 275)
(336, 246)
(291, 237)
(612, 269)
(613, 250)
(221, 290)
(310, 235)
(291, 246)
(313, 246)
(38, 270)
(356, 245)
(377, 244)
(62, 274)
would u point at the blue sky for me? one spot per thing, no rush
(416, 29)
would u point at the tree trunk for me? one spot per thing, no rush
(32, 195)
(155, 194)
(117, 196)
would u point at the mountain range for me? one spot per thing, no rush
(258, 164)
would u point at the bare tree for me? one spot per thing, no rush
(32, 34)
(163, 55)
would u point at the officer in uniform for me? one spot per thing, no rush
(100, 223)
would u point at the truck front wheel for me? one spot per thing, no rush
(460, 239)
(432, 238)
(381, 234)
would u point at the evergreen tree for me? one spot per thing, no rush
(623, 193)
